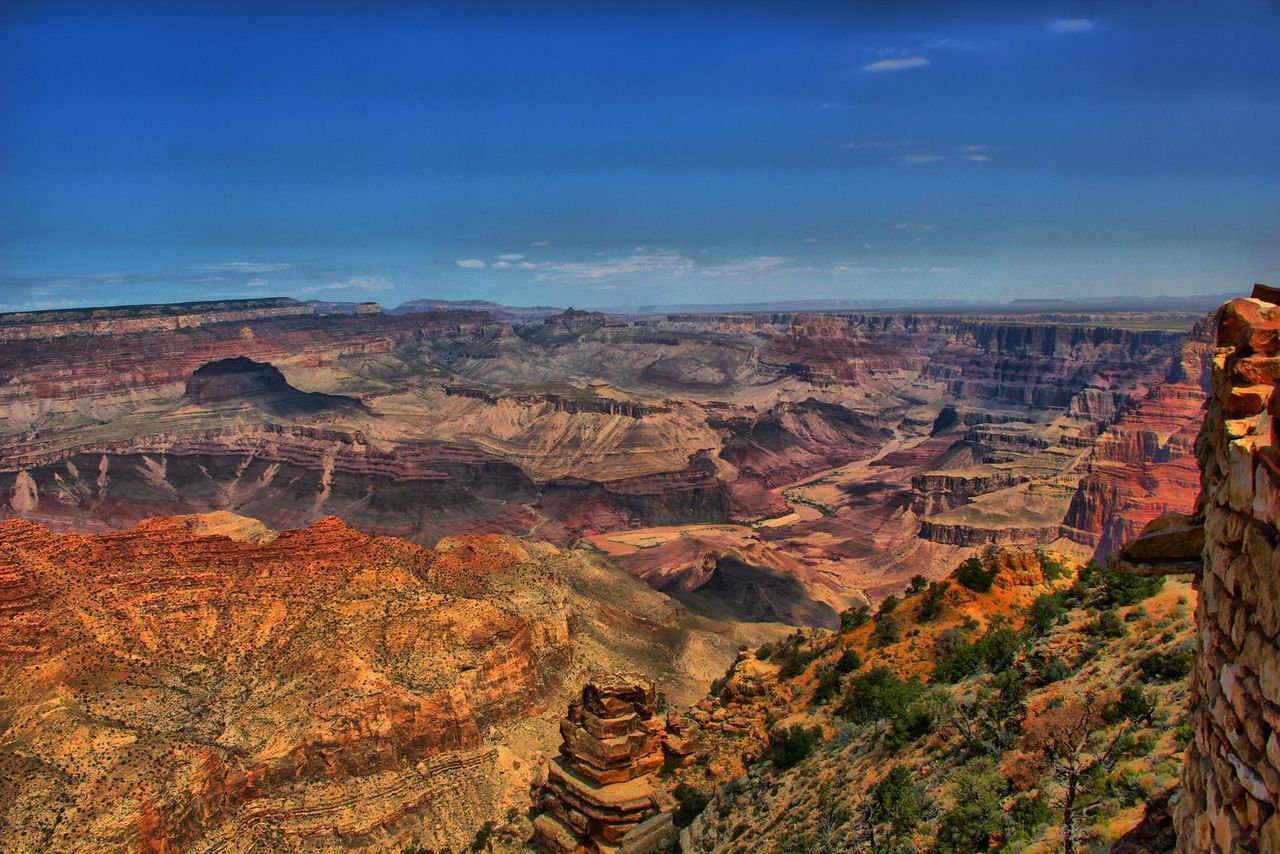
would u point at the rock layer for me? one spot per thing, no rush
(600, 789)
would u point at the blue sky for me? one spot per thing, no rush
(601, 155)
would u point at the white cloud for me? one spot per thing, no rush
(854, 268)
(471, 264)
(357, 283)
(502, 265)
(978, 158)
(242, 267)
(670, 264)
(537, 243)
(511, 256)
(917, 159)
(901, 64)
(808, 240)
(913, 226)
(739, 266)
(1066, 26)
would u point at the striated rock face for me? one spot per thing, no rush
(1144, 463)
(600, 789)
(204, 683)
(1231, 781)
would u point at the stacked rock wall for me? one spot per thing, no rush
(600, 795)
(1231, 780)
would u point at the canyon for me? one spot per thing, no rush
(836, 455)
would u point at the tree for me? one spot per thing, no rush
(894, 800)
(793, 744)
(977, 816)
(886, 631)
(917, 584)
(1076, 745)
(974, 575)
(855, 617)
(932, 602)
(889, 605)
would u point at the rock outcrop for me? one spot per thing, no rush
(1231, 777)
(600, 795)
(204, 683)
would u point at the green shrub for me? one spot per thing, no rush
(932, 603)
(876, 695)
(1108, 625)
(1029, 814)
(766, 651)
(849, 661)
(1050, 568)
(1044, 614)
(888, 606)
(1132, 705)
(1167, 666)
(977, 818)
(917, 584)
(690, 803)
(828, 684)
(793, 744)
(887, 630)
(1118, 589)
(974, 575)
(915, 721)
(896, 801)
(994, 652)
(855, 617)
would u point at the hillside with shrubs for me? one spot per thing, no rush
(1026, 703)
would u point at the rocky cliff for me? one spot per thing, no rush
(205, 683)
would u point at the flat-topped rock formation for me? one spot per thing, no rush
(600, 795)
(242, 381)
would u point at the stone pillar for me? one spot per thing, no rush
(600, 795)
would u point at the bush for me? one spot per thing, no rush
(828, 684)
(948, 641)
(895, 800)
(855, 617)
(917, 584)
(876, 695)
(1054, 671)
(690, 803)
(1119, 589)
(887, 630)
(1044, 613)
(849, 661)
(932, 603)
(1051, 568)
(1132, 705)
(793, 744)
(994, 651)
(977, 817)
(974, 575)
(766, 651)
(482, 837)
(1167, 666)
(888, 606)
(1029, 813)
(1108, 625)
(913, 722)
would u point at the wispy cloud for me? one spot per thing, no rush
(471, 264)
(242, 267)
(511, 256)
(1067, 26)
(357, 283)
(917, 159)
(855, 268)
(913, 226)
(900, 64)
(538, 243)
(740, 266)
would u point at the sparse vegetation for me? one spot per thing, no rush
(975, 575)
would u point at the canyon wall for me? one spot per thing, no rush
(1231, 781)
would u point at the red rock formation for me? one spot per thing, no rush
(600, 789)
(1144, 464)
(203, 680)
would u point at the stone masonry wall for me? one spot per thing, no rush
(1231, 780)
